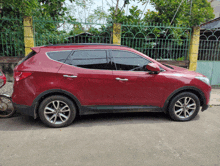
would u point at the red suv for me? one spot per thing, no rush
(58, 82)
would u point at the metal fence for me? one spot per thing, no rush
(155, 40)
(70, 31)
(209, 55)
(11, 36)
(158, 41)
(209, 45)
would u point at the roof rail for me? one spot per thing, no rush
(72, 44)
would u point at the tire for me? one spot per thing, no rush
(184, 107)
(57, 111)
(6, 107)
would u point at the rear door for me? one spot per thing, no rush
(88, 75)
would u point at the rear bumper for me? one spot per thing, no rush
(25, 110)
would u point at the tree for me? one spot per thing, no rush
(49, 8)
(190, 13)
(48, 13)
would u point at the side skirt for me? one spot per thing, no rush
(86, 110)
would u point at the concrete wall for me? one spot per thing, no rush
(210, 69)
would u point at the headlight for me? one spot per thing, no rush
(203, 79)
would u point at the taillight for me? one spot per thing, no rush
(21, 75)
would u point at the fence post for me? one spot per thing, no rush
(117, 33)
(28, 34)
(194, 48)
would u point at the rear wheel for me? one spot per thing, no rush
(184, 107)
(57, 111)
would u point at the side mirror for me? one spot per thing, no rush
(153, 67)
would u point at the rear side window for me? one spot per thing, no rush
(90, 59)
(31, 54)
(59, 56)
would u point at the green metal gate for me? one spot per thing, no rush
(70, 31)
(11, 36)
(159, 41)
(209, 54)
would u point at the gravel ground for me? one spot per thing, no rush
(7, 88)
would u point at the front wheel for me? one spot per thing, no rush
(184, 107)
(6, 107)
(57, 111)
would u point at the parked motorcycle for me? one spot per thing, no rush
(6, 105)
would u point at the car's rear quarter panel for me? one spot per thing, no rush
(44, 77)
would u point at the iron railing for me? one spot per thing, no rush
(158, 41)
(155, 40)
(209, 45)
(11, 36)
(70, 31)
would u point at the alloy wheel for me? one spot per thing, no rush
(57, 112)
(184, 107)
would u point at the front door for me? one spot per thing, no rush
(133, 84)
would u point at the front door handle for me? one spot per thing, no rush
(70, 76)
(121, 79)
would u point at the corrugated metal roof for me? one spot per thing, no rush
(211, 24)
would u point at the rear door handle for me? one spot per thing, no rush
(121, 79)
(70, 76)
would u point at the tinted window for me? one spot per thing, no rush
(60, 56)
(91, 59)
(125, 60)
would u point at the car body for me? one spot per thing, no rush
(100, 78)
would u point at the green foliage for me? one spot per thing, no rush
(201, 11)
(19, 7)
(11, 36)
(39, 8)
(98, 15)
(50, 12)
(55, 23)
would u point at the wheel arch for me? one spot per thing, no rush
(52, 92)
(191, 89)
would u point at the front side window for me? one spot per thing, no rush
(90, 59)
(124, 60)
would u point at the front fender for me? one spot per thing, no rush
(192, 89)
